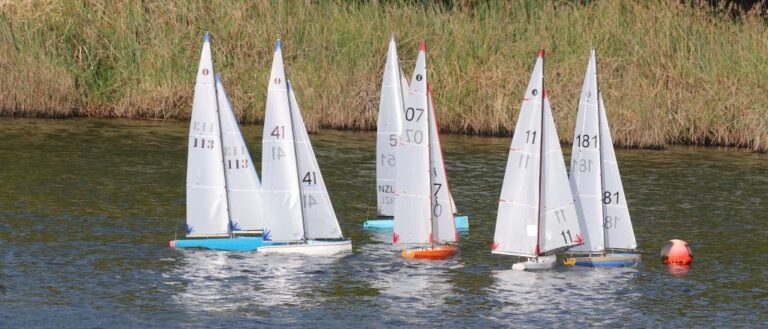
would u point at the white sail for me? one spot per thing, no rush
(388, 131)
(559, 226)
(617, 224)
(586, 166)
(206, 193)
(319, 218)
(413, 222)
(243, 185)
(280, 187)
(517, 228)
(443, 225)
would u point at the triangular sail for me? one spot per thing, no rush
(517, 220)
(413, 221)
(206, 193)
(280, 186)
(586, 165)
(319, 218)
(243, 185)
(443, 225)
(559, 224)
(617, 224)
(388, 131)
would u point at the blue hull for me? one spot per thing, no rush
(227, 244)
(609, 260)
(462, 223)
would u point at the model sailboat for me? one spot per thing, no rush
(422, 211)
(537, 216)
(222, 185)
(300, 218)
(595, 181)
(389, 128)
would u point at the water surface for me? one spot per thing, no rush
(87, 208)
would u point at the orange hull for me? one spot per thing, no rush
(435, 253)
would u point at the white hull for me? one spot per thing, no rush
(309, 248)
(539, 263)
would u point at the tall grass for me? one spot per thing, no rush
(670, 72)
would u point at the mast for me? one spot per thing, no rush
(221, 145)
(541, 156)
(600, 152)
(429, 151)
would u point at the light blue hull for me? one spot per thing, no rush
(228, 244)
(462, 223)
(609, 260)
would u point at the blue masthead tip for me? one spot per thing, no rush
(207, 37)
(278, 44)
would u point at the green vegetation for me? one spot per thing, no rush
(670, 72)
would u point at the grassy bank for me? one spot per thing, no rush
(671, 73)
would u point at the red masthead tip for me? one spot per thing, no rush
(541, 52)
(429, 88)
(423, 46)
(545, 93)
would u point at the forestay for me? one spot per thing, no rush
(443, 224)
(413, 222)
(243, 183)
(280, 187)
(206, 193)
(319, 218)
(517, 219)
(586, 165)
(617, 224)
(388, 131)
(559, 224)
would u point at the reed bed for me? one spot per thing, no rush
(671, 72)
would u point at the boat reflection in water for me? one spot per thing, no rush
(572, 297)
(224, 282)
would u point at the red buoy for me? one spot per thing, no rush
(676, 252)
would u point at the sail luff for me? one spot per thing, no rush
(542, 157)
(223, 158)
(206, 197)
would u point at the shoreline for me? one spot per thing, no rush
(316, 130)
(696, 76)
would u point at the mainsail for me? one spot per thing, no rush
(206, 192)
(280, 186)
(388, 131)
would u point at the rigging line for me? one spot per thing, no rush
(221, 147)
(600, 152)
(541, 158)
